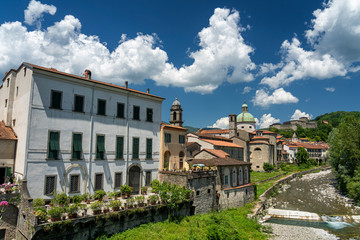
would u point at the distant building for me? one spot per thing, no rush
(304, 122)
(78, 135)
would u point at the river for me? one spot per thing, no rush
(317, 193)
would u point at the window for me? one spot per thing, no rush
(100, 147)
(118, 180)
(197, 193)
(78, 103)
(226, 180)
(77, 146)
(136, 113)
(50, 184)
(135, 149)
(147, 178)
(101, 107)
(181, 139)
(167, 137)
(74, 183)
(209, 190)
(149, 114)
(120, 110)
(5, 102)
(99, 181)
(8, 81)
(53, 145)
(56, 98)
(119, 147)
(149, 148)
(181, 160)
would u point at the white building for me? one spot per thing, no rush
(77, 135)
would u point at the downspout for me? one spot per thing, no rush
(91, 137)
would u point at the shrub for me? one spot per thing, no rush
(96, 205)
(73, 209)
(115, 204)
(85, 196)
(155, 186)
(99, 194)
(153, 198)
(268, 167)
(130, 201)
(126, 189)
(55, 212)
(61, 199)
(312, 162)
(42, 216)
(76, 199)
(38, 202)
(140, 199)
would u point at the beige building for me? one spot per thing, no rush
(172, 141)
(8, 142)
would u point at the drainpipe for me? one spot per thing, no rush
(91, 138)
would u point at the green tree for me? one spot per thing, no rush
(302, 156)
(345, 155)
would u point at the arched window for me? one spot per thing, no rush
(257, 149)
(246, 176)
(240, 176)
(174, 116)
(234, 184)
(181, 160)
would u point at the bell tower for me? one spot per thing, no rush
(176, 114)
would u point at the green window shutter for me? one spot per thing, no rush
(77, 142)
(100, 147)
(135, 148)
(54, 141)
(119, 147)
(8, 172)
(148, 148)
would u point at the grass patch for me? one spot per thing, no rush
(227, 224)
(259, 176)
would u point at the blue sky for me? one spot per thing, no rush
(285, 58)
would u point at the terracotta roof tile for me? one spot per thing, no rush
(222, 143)
(217, 153)
(219, 162)
(165, 125)
(259, 138)
(259, 142)
(6, 132)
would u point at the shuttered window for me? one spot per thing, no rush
(101, 107)
(79, 103)
(149, 148)
(100, 147)
(167, 137)
(149, 114)
(136, 113)
(135, 148)
(99, 181)
(119, 147)
(54, 146)
(77, 146)
(118, 180)
(50, 184)
(75, 183)
(181, 139)
(56, 98)
(120, 110)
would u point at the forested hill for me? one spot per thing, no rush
(322, 131)
(335, 118)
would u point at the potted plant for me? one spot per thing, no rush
(144, 190)
(126, 190)
(55, 213)
(84, 208)
(41, 215)
(106, 208)
(76, 199)
(62, 199)
(99, 194)
(38, 203)
(115, 205)
(72, 210)
(140, 200)
(130, 202)
(96, 207)
(153, 199)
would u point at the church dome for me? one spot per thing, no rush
(176, 102)
(245, 117)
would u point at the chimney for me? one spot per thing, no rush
(126, 84)
(148, 91)
(87, 74)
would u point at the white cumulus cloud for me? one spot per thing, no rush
(334, 39)
(222, 123)
(35, 10)
(279, 96)
(298, 114)
(266, 120)
(247, 89)
(330, 89)
(223, 56)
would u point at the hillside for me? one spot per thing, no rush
(322, 131)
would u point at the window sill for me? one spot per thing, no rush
(104, 115)
(135, 159)
(149, 159)
(78, 111)
(136, 119)
(52, 159)
(75, 159)
(55, 108)
(120, 117)
(119, 159)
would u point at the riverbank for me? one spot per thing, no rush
(286, 232)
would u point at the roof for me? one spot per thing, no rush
(308, 145)
(264, 131)
(214, 131)
(191, 143)
(216, 152)
(259, 142)
(219, 162)
(259, 137)
(176, 102)
(53, 70)
(245, 117)
(207, 136)
(222, 143)
(165, 125)
(6, 133)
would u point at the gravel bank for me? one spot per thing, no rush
(287, 232)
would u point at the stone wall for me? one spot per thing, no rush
(9, 216)
(236, 197)
(26, 219)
